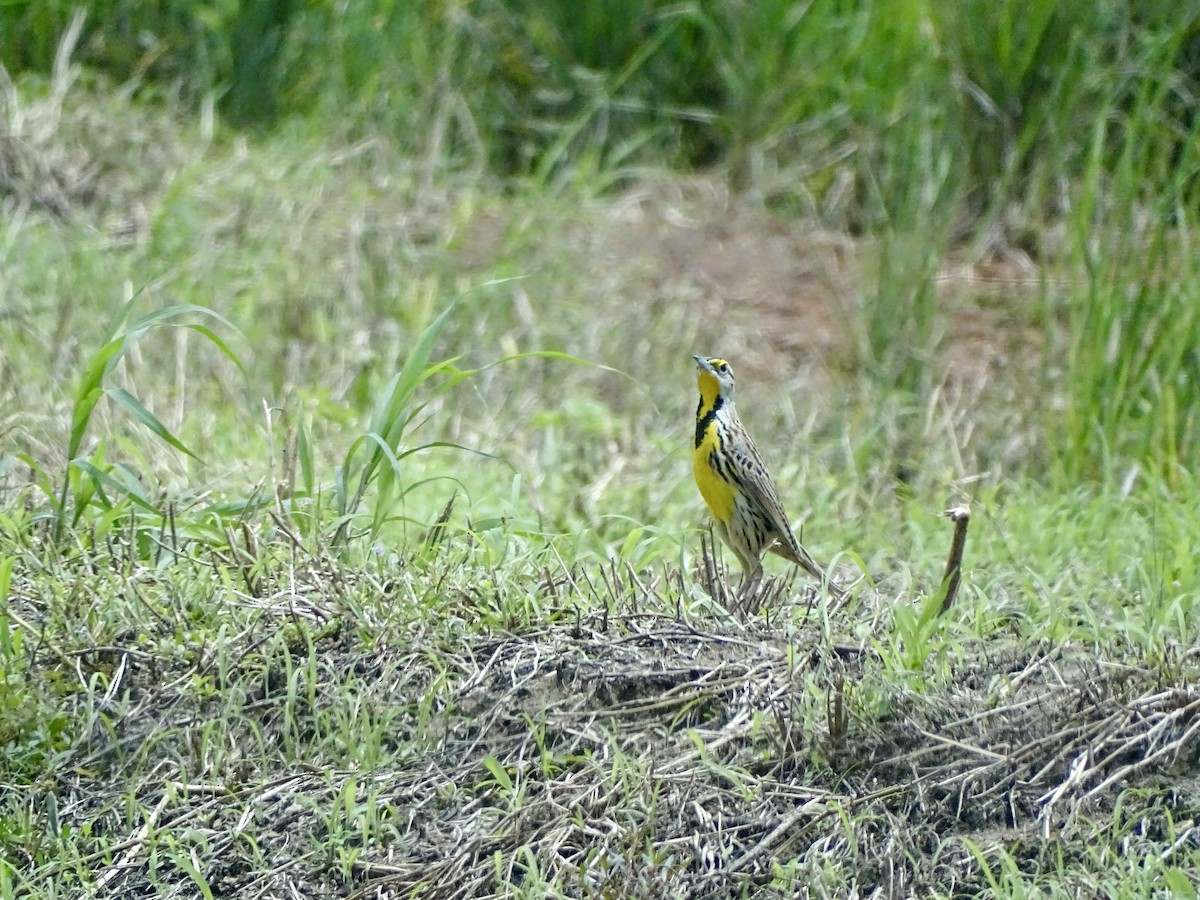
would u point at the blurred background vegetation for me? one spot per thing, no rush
(1062, 135)
(1003, 102)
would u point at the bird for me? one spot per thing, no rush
(736, 485)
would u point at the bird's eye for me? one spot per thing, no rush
(722, 367)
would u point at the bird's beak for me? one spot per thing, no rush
(703, 364)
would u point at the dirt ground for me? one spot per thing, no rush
(638, 755)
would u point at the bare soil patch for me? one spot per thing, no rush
(781, 293)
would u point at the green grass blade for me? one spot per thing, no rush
(134, 406)
(304, 454)
(217, 342)
(89, 391)
(102, 479)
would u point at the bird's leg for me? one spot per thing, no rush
(748, 590)
(719, 585)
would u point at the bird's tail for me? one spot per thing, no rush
(792, 551)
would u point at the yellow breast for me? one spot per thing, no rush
(715, 490)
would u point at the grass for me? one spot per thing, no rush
(347, 538)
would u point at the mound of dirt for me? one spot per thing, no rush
(645, 756)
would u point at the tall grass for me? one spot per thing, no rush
(798, 89)
(919, 123)
(1130, 392)
(89, 479)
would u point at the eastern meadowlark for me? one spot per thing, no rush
(734, 482)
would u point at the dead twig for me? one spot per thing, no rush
(952, 577)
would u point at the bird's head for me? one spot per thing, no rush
(715, 378)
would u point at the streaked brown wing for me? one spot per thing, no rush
(747, 465)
